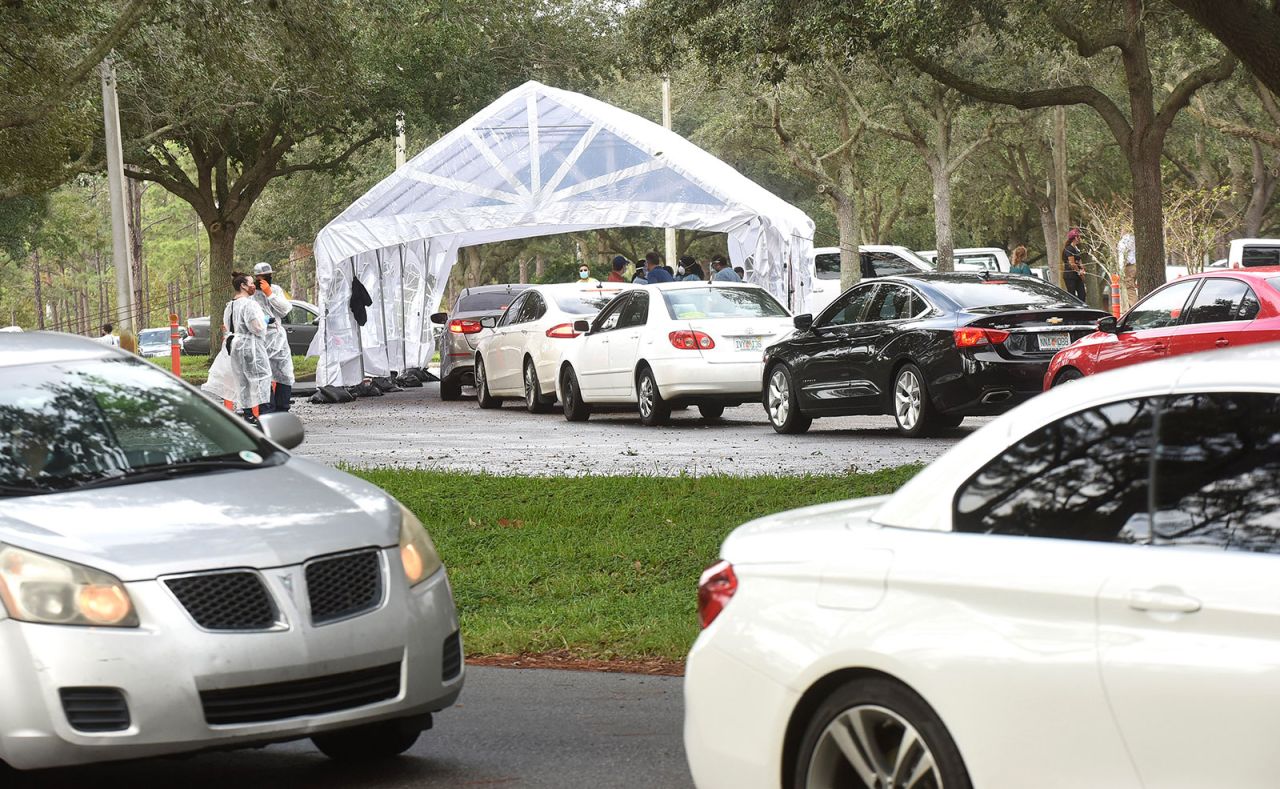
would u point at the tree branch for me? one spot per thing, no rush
(1088, 45)
(330, 163)
(1184, 90)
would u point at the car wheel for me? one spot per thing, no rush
(1067, 375)
(575, 408)
(450, 389)
(711, 412)
(950, 420)
(534, 401)
(483, 398)
(653, 409)
(912, 408)
(877, 734)
(381, 740)
(781, 403)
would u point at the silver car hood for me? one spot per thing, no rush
(264, 517)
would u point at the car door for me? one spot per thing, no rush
(527, 334)
(624, 344)
(300, 327)
(592, 366)
(870, 368)
(1189, 631)
(1219, 317)
(500, 349)
(1144, 334)
(822, 366)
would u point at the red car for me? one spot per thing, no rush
(1197, 313)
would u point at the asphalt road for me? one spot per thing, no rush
(416, 428)
(525, 729)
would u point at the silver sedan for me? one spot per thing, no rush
(172, 581)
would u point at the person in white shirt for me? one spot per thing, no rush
(107, 337)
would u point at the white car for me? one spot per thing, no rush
(675, 344)
(519, 358)
(1083, 593)
(875, 260)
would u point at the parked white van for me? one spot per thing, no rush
(1250, 252)
(877, 260)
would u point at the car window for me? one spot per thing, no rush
(608, 318)
(893, 303)
(885, 264)
(848, 308)
(585, 302)
(153, 336)
(1219, 299)
(512, 314)
(979, 293)
(1252, 256)
(1217, 472)
(635, 312)
(721, 302)
(1083, 477)
(985, 261)
(1162, 308)
(488, 301)
(299, 316)
(827, 265)
(532, 308)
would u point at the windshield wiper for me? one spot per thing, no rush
(167, 471)
(24, 490)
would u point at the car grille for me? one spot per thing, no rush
(344, 586)
(315, 696)
(451, 657)
(225, 601)
(95, 709)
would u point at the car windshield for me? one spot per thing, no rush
(711, 302)
(1274, 282)
(827, 265)
(994, 294)
(153, 336)
(491, 301)
(587, 302)
(77, 424)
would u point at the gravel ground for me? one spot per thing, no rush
(415, 428)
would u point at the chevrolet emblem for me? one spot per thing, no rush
(1054, 320)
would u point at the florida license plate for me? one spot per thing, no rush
(748, 343)
(1054, 342)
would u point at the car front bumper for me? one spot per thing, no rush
(162, 667)
(697, 379)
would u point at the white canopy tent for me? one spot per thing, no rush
(538, 161)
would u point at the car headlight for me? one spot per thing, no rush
(39, 588)
(417, 553)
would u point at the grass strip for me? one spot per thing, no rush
(600, 567)
(195, 369)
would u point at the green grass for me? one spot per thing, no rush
(195, 369)
(604, 567)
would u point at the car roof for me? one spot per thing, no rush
(514, 286)
(21, 348)
(1248, 369)
(690, 285)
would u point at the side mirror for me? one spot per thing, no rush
(283, 428)
(440, 317)
(581, 327)
(1108, 325)
(803, 322)
(488, 322)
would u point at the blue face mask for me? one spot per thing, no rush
(584, 274)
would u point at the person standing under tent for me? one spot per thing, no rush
(246, 347)
(275, 305)
(620, 264)
(654, 272)
(584, 276)
(723, 273)
(1073, 265)
(692, 269)
(741, 272)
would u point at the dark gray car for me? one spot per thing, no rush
(462, 333)
(300, 324)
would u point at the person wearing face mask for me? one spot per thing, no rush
(584, 276)
(275, 305)
(246, 345)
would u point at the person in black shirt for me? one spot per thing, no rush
(1073, 265)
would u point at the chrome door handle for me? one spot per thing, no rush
(1157, 600)
(1222, 342)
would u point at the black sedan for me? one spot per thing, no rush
(930, 349)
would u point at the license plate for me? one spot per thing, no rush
(748, 343)
(1054, 342)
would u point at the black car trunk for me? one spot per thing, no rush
(1041, 332)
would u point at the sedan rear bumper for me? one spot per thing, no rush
(169, 675)
(695, 378)
(985, 383)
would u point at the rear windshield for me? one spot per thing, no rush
(1253, 256)
(495, 301)
(586, 303)
(153, 335)
(687, 304)
(1011, 293)
(827, 265)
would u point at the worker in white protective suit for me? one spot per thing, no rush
(275, 305)
(246, 345)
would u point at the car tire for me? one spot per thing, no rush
(711, 412)
(781, 402)
(876, 716)
(654, 410)
(483, 398)
(534, 401)
(950, 420)
(912, 407)
(1066, 375)
(383, 740)
(450, 389)
(575, 408)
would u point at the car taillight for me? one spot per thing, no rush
(464, 326)
(562, 331)
(971, 336)
(687, 340)
(715, 588)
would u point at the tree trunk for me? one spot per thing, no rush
(1052, 243)
(222, 256)
(35, 267)
(133, 194)
(539, 267)
(850, 233)
(942, 217)
(1058, 193)
(471, 267)
(1261, 189)
(524, 271)
(1148, 218)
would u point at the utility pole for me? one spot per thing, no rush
(666, 124)
(400, 140)
(115, 182)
